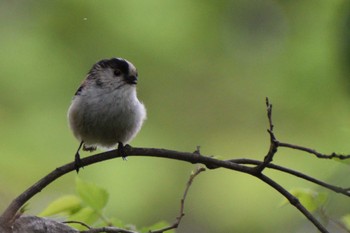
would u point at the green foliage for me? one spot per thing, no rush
(87, 207)
(68, 204)
(309, 198)
(92, 195)
(86, 215)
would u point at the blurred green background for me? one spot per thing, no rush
(205, 68)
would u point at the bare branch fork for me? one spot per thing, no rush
(252, 167)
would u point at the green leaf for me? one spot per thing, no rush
(63, 205)
(92, 195)
(157, 226)
(346, 220)
(310, 199)
(86, 215)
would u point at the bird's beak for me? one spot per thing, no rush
(131, 79)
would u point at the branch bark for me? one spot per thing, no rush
(10, 218)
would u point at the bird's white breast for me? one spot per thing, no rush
(105, 118)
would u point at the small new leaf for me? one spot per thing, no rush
(86, 215)
(309, 198)
(92, 195)
(65, 205)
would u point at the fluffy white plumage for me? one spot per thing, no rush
(105, 109)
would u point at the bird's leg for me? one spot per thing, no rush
(77, 160)
(121, 150)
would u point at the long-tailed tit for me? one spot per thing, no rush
(105, 109)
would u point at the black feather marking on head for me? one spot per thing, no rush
(114, 64)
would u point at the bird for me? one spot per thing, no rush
(105, 110)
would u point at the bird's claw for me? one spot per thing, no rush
(77, 162)
(122, 150)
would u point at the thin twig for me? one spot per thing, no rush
(182, 205)
(77, 222)
(344, 191)
(100, 229)
(269, 114)
(273, 142)
(312, 151)
(107, 230)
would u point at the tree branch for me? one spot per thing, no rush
(294, 201)
(273, 142)
(107, 230)
(314, 152)
(337, 189)
(9, 218)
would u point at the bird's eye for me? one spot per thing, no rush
(117, 72)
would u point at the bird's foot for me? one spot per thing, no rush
(122, 150)
(77, 162)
